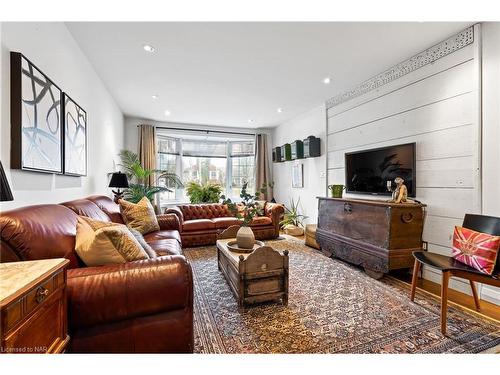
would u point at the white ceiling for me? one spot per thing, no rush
(227, 73)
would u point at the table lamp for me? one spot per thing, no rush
(5, 192)
(118, 180)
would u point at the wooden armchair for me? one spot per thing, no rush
(450, 267)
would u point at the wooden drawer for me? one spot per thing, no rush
(41, 331)
(39, 295)
(263, 286)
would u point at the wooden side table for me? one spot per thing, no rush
(33, 306)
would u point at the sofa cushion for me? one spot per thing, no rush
(225, 222)
(108, 206)
(168, 246)
(140, 216)
(99, 243)
(258, 221)
(163, 235)
(85, 207)
(198, 224)
(204, 211)
(41, 232)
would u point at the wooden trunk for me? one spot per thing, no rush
(376, 235)
(256, 277)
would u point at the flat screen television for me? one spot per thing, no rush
(368, 171)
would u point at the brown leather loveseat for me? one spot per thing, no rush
(142, 306)
(201, 223)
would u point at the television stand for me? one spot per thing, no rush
(376, 235)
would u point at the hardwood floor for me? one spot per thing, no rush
(489, 309)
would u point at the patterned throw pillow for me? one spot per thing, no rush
(476, 249)
(140, 238)
(99, 243)
(140, 216)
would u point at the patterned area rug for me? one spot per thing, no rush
(333, 308)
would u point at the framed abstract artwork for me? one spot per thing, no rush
(75, 138)
(297, 176)
(36, 123)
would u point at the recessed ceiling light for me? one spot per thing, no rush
(167, 113)
(327, 80)
(280, 110)
(250, 121)
(148, 48)
(155, 96)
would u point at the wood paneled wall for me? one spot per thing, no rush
(437, 106)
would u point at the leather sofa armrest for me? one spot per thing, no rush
(275, 211)
(176, 211)
(169, 222)
(112, 293)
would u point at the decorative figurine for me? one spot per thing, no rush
(400, 194)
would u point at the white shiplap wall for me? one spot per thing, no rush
(438, 107)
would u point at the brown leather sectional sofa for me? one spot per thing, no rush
(143, 306)
(201, 223)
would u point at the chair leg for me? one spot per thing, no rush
(444, 299)
(414, 279)
(474, 293)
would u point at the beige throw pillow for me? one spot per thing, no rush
(140, 216)
(99, 243)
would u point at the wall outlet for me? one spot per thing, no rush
(322, 174)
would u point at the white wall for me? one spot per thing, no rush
(132, 132)
(309, 123)
(491, 131)
(52, 48)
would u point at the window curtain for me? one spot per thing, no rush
(147, 149)
(262, 168)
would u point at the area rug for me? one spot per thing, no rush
(333, 307)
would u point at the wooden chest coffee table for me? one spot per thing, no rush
(254, 277)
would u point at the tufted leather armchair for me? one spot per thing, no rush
(201, 223)
(144, 306)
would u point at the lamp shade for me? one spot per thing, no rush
(5, 192)
(119, 180)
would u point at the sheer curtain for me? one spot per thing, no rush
(262, 167)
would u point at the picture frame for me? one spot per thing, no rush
(36, 121)
(75, 137)
(298, 175)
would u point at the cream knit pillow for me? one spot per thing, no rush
(99, 243)
(140, 216)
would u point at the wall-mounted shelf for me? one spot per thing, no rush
(307, 148)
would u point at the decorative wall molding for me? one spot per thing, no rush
(421, 59)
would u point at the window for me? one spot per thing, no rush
(242, 166)
(206, 159)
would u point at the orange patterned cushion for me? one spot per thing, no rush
(476, 249)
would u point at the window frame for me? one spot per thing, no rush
(179, 193)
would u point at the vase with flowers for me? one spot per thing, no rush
(245, 210)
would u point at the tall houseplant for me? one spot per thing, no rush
(293, 220)
(138, 176)
(203, 193)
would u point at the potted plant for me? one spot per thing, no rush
(246, 210)
(293, 221)
(207, 193)
(138, 176)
